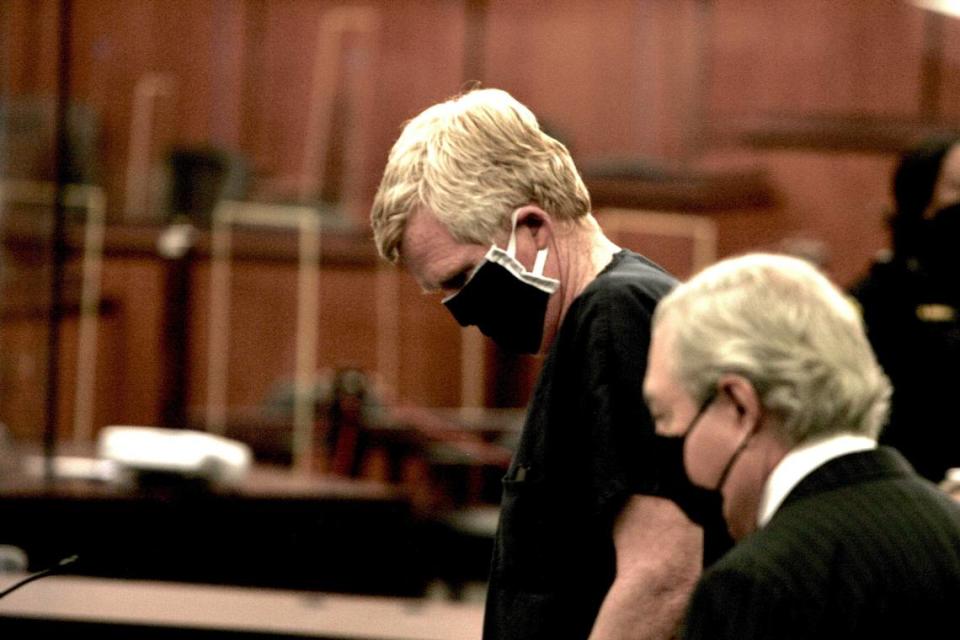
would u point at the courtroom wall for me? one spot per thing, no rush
(815, 97)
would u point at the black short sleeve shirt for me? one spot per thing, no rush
(587, 445)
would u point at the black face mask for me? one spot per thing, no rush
(736, 453)
(704, 506)
(504, 300)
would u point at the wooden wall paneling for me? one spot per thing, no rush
(422, 62)
(949, 90)
(430, 350)
(289, 39)
(263, 323)
(25, 293)
(106, 406)
(261, 354)
(183, 39)
(23, 338)
(670, 69)
(412, 45)
(263, 298)
(252, 77)
(22, 374)
(869, 81)
(339, 112)
(931, 73)
(635, 79)
(67, 379)
(421, 50)
(115, 46)
(839, 199)
(242, 72)
(14, 20)
(815, 56)
(196, 47)
(474, 40)
(833, 91)
(387, 291)
(410, 327)
(199, 330)
(109, 406)
(12, 29)
(29, 74)
(131, 67)
(474, 368)
(262, 342)
(26, 206)
(28, 62)
(576, 68)
(348, 319)
(229, 67)
(306, 222)
(136, 283)
(621, 81)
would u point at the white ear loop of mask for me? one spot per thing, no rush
(539, 263)
(508, 260)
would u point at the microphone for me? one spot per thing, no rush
(39, 574)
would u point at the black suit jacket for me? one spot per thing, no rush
(861, 548)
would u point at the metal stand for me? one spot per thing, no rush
(307, 221)
(92, 201)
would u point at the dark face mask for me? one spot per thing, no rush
(736, 453)
(504, 300)
(703, 506)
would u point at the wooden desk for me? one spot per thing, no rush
(151, 610)
(275, 531)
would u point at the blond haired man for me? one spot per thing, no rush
(481, 206)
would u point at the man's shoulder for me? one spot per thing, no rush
(765, 554)
(853, 521)
(630, 277)
(618, 303)
(798, 533)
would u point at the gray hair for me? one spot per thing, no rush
(472, 160)
(780, 323)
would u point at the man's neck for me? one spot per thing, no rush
(584, 251)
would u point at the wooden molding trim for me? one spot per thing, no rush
(341, 247)
(641, 185)
(830, 132)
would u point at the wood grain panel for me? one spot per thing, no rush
(949, 106)
(607, 82)
(23, 341)
(815, 56)
(838, 199)
(28, 47)
(262, 340)
(421, 63)
(136, 283)
(682, 81)
(430, 349)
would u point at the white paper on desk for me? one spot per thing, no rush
(192, 453)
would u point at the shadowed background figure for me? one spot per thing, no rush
(911, 307)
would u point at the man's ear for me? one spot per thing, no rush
(744, 399)
(537, 222)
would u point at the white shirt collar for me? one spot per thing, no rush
(800, 462)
